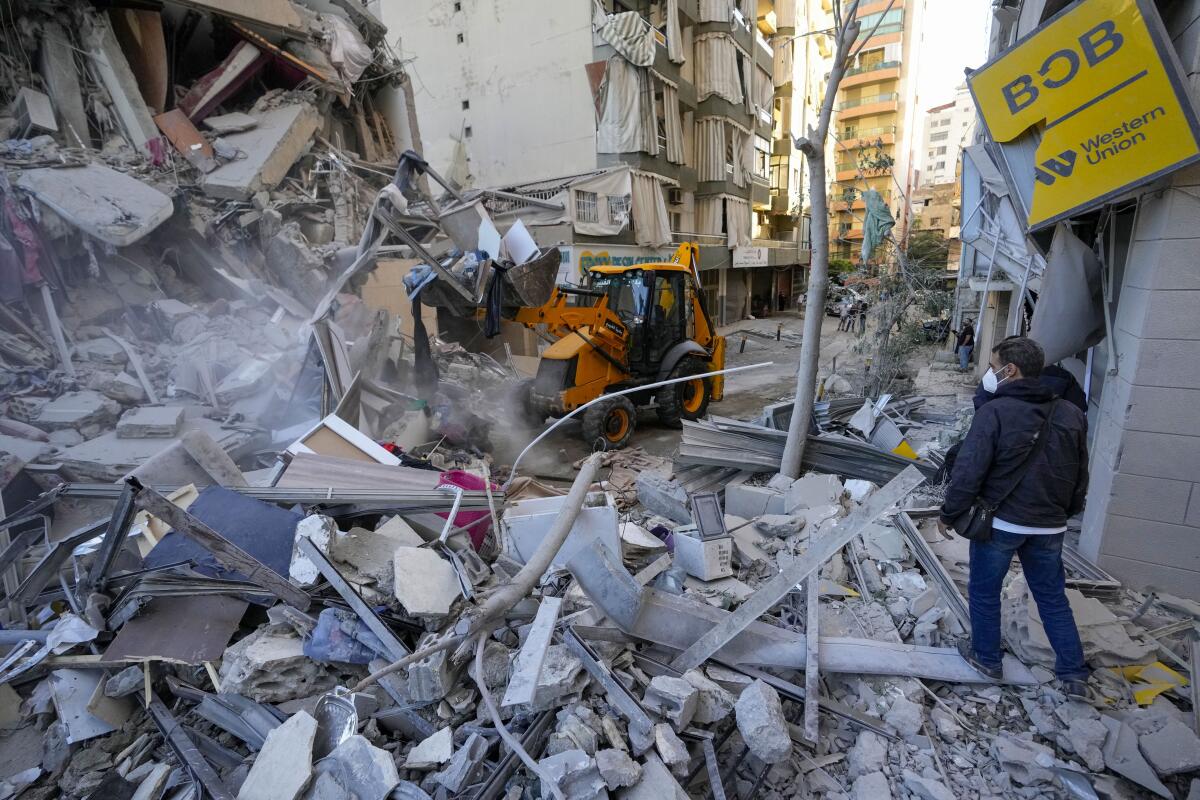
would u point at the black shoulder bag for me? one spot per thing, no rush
(976, 522)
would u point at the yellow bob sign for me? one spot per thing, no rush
(1103, 81)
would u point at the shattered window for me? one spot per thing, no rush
(585, 206)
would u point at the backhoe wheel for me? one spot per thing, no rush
(687, 400)
(530, 413)
(608, 425)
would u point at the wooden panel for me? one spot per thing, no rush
(323, 472)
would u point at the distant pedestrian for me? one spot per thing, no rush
(844, 319)
(964, 344)
(862, 317)
(1024, 462)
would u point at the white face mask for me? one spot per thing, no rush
(990, 382)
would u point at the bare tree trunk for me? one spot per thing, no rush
(813, 148)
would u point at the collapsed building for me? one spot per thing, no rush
(256, 541)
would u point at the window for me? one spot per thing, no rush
(585, 206)
(460, 38)
(467, 132)
(618, 209)
(940, 136)
(466, 104)
(931, 154)
(676, 220)
(940, 165)
(944, 122)
(458, 6)
(941, 151)
(935, 221)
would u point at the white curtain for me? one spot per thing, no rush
(737, 222)
(597, 205)
(674, 34)
(649, 124)
(716, 68)
(764, 90)
(651, 226)
(627, 123)
(739, 138)
(747, 73)
(716, 10)
(710, 149)
(708, 214)
(674, 125)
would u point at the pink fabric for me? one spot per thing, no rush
(471, 483)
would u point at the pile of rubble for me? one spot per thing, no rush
(413, 633)
(182, 187)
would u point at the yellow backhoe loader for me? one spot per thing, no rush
(630, 326)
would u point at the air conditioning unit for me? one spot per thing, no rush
(674, 196)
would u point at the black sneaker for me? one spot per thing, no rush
(1077, 690)
(968, 653)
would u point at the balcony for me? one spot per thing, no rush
(865, 106)
(853, 138)
(860, 76)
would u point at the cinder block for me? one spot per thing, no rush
(1155, 499)
(1161, 455)
(663, 496)
(1131, 572)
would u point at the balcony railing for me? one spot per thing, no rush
(862, 101)
(867, 133)
(887, 27)
(872, 67)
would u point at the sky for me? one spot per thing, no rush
(955, 36)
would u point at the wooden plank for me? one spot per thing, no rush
(176, 126)
(278, 15)
(309, 471)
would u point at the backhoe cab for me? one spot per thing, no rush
(631, 326)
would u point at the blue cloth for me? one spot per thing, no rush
(1041, 560)
(964, 356)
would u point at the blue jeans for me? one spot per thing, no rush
(964, 356)
(1041, 559)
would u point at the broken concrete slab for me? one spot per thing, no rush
(112, 68)
(1122, 756)
(425, 583)
(125, 682)
(673, 698)
(924, 788)
(713, 702)
(269, 666)
(661, 495)
(56, 60)
(152, 786)
(1172, 749)
(671, 748)
(780, 526)
(150, 422)
(575, 775)
(281, 136)
(748, 502)
(233, 122)
(617, 769)
(76, 409)
(320, 530)
(656, 783)
(433, 751)
(812, 491)
(871, 786)
(283, 766)
(464, 767)
(26, 450)
(905, 716)
(122, 387)
(761, 723)
(109, 205)
(868, 753)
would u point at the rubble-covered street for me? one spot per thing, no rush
(273, 528)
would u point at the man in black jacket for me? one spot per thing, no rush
(1032, 520)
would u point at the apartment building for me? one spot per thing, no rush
(875, 122)
(539, 96)
(937, 207)
(948, 129)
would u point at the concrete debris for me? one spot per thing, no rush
(617, 769)
(671, 748)
(433, 751)
(673, 698)
(924, 788)
(575, 774)
(1172, 749)
(269, 149)
(761, 723)
(871, 786)
(283, 766)
(150, 422)
(361, 769)
(464, 766)
(780, 526)
(713, 702)
(425, 583)
(905, 716)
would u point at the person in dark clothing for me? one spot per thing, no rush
(964, 344)
(1031, 522)
(1055, 379)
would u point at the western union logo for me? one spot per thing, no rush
(1102, 83)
